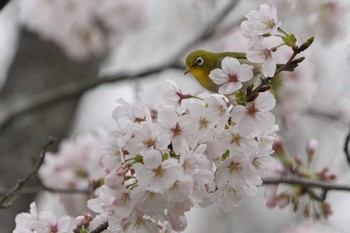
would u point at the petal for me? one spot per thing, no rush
(264, 120)
(265, 101)
(229, 88)
(218, 76)
(229, 64)
(237, 113)
(244, 72)
(265, 10)
(152, 159)
(269, 67)
(253, 55)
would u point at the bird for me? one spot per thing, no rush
(201, 62)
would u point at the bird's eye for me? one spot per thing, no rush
(199, 61)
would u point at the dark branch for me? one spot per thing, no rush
(8, 199)
(323, 114)
(100, 228)
(3, 4)
(325, 186)
(346, 147)
(31, 190)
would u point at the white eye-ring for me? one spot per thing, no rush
(199, 61)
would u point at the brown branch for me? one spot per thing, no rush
(31, 190)
(100, 228)
(15, 108)
(346, 147)
(211, 28)
(307, 183)
(4, 3)
(321, 113)
(8, 199)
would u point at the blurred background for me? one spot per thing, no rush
(63, 65)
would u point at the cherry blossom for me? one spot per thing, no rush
(255, 116)
(231, 75)
(260, 23)
(262, 53)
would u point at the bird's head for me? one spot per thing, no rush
(198, 60)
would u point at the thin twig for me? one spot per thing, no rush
(8, 199)
(3, 4)
(307, 183)
(211, 28)
(323, 114)
(36, 189)
(13, 109)
(346, 147)
(266, 81)
(100, 228)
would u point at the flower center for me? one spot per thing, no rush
(233, 78)
(159, 171)
(53, 229)
(234, 168)
(251, 110)
(176, 130)
(265, 53)
(203, 123)
(150, 142)
(269, 22)
(236, 139)
(256, 163)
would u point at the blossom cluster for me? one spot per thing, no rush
(83, 28)
(259, 25)
(191, 151)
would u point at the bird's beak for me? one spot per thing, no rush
(188, 68)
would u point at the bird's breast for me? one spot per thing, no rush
(203, 78)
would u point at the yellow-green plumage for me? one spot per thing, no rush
(210, 62)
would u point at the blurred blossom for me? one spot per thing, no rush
(76, 165)
(294, 91)
(84, 28)
(323, 18)
(311, 228)
(41, 222)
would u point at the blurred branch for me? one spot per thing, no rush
(3, 4)
(307, 183)
(12, 109)
(211, 28)
(15, 108)
(31, 190)
(321, 113)
(8, 199)
(346, 147)
(100, 228)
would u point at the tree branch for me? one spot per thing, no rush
(3, 4)
(346, 147)
(307, 183)
(100, 228)
(8, 199)
(31, 190)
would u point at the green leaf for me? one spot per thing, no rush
(241, 98)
